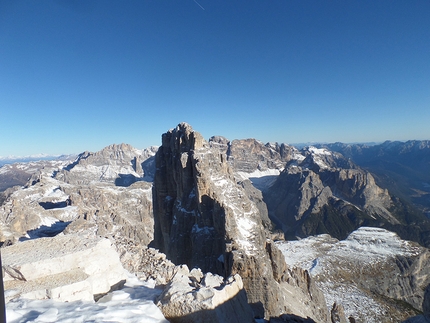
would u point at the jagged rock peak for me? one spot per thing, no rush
(204, 219)
(183, 137)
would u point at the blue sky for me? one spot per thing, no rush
(82, 74)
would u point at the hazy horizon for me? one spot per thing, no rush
(297, 145)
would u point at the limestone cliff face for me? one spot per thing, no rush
(120, 164)
(204, 219)
(249, 155)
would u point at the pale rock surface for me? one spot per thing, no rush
(194, 297)
(64, 267)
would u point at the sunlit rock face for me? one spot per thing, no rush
(204, 219)
(119, 164)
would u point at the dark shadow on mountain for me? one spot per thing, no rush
(263, 182)
(125, 180)
(290, 318)
(54, 205)
(80, 157)
(230, 311)
(426, 301)
(257, 309)
(148, 167)
(46, 231)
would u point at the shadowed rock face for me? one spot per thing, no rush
(204, 219)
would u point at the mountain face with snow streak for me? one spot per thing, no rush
(373, 274)
(121, 164)
(321, 191)
(205, 220)
(19, 173)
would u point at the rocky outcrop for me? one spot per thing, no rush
(204, 219)
(146, 263)
(197, 297)
(337, 314)
(65, 268)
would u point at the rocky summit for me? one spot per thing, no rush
(204, 219)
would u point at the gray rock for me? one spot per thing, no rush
(204, 219)
(337, 314)
(322, 192)
(373, 274)
(183, 301)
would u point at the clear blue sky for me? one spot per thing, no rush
(82, 74)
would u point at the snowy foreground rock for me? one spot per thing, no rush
(132, 304)
(66, 268)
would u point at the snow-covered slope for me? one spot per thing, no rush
(366, 273)
(132, 304)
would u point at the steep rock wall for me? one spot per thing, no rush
(204, 219)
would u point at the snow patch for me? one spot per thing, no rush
(132, 304)
(319, 151)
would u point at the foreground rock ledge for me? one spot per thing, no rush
(65, 268)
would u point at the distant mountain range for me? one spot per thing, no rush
(401, 167)
(38, 157)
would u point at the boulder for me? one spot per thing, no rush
(191, 297)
